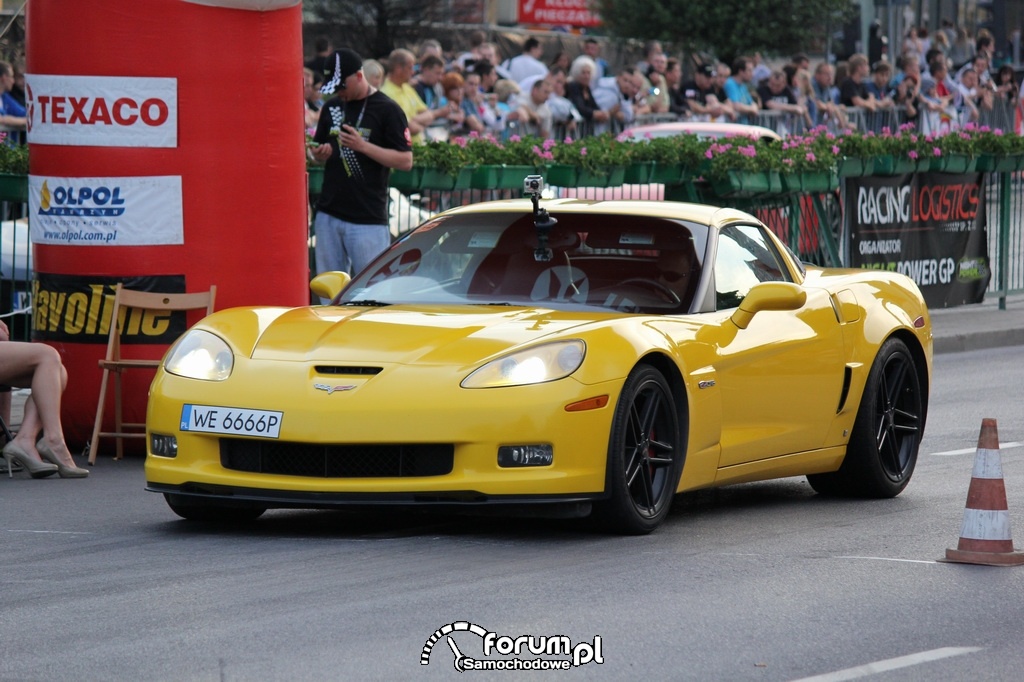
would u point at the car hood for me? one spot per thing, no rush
(408, 334)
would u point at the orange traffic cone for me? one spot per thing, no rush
(985, 534)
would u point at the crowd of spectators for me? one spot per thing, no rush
(936, 82)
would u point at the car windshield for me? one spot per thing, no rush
(589, 261)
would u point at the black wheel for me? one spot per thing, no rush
(211, 513)
(882, 452)
(645, 455)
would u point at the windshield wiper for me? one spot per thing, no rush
(366, 302)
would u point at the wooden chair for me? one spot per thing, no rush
(115, 363)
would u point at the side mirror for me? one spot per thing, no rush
(768, 296)
(329, 284)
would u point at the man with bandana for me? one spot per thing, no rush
(361, 135)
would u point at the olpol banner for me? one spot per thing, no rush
(928, 226)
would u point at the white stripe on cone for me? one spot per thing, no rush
(986, 524)
(987, 464)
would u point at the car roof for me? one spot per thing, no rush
(714, 216)
(705, 128)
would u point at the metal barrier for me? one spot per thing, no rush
(1002, 115)
(783, 122)
(16, 271)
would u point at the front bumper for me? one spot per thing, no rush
(455, 500)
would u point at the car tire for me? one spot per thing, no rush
(882, 452)
(211, 513)
(645, 455)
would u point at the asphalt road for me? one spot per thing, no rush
(765, 581)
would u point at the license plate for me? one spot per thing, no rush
(231, 420)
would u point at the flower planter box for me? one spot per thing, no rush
(667, 174)
(439, 180)
(894, 165)
(315, 180)
(998, 163)
(638, 173)
(810, 182)
(13, 188)
(512, 177)
(742, 184)
(855, 167)
(485, 177)
(406, 181)
(959, 163)
(562, 175)
(613, 176)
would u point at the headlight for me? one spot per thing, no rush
(200, 355)
(546, 362)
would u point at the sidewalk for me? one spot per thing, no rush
(969, 327)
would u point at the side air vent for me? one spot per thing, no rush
(350, 371)
(847, 377)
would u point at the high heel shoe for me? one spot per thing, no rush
(35, 468)
(63, 469)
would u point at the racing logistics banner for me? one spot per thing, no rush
(558, 13)
(928, 226)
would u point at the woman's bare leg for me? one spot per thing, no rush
(37, 366)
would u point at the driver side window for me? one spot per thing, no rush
(746, 257)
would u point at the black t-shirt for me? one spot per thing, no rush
(691, 90)
(766, 95)
(355, 186)
(677, 102)
(849, 89)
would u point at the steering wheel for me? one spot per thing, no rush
(655, 286)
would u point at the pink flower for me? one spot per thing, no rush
(748, 152)
(810, 157)
(583, 151)
(936, 151)
(514, 138)
(912, 154)
(548, 144)
(835, 149)
(708, 153)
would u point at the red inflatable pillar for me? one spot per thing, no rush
(166, 152)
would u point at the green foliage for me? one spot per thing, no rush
(13, 160)
(685, 150)
(726, 28)
(593, 153)
(445, 157)
(739, 153)
(995, 141)
(817, 151)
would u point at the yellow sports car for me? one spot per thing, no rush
(561, 356)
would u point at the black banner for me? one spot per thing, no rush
(77, 309)
(928, 226)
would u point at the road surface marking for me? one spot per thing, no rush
(885, 558)
(891, 664)
(968, 451)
